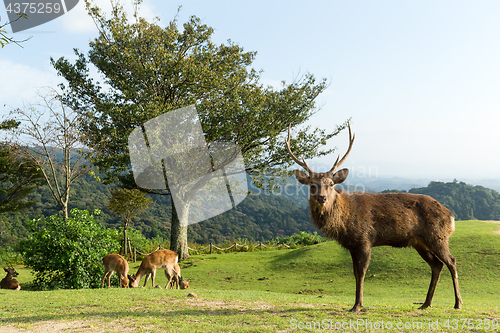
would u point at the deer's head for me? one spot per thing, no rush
(11, 271)
(132, 282)
(321, 185)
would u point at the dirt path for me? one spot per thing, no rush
(496, 222)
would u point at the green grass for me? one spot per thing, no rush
(278, 290)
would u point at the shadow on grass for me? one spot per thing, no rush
(176, 314)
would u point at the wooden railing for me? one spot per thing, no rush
(211, 248)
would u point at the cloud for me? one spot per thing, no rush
(78, 21)
(20, 83)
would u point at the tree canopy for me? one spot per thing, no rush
(467, 202)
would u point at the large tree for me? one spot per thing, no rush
(149, 70)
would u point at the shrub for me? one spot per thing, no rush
(67, 253)
(301, 239)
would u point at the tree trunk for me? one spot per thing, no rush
(178, 232)
(125, 240)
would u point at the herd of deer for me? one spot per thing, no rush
(159, 259)
(358, 221)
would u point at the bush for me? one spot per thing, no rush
(301, 239)
(9, 257)
(67, 253)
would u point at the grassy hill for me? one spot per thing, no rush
(276, 291)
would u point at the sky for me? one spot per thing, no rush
(420, 80)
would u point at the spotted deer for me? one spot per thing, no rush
(115, 263)
(160, 259)
(8, 282)
(361, 221)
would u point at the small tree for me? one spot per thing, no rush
(48, 135)
(127, 204)
(67, 253)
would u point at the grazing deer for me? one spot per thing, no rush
(8, 282)
(115, 263)
(177, 279)
(361, 221)
(157, 260)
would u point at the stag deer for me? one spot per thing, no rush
(8, 282)
(361, 221)
(157, 260)
(115, 263)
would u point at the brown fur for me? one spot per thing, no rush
(8, 282)
(177, 279)
(115, 263)
(159, 259)
(361, 221)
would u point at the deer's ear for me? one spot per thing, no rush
(302, 177)
(340, 176)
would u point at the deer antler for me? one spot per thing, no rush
(337, 164)
(303, 163)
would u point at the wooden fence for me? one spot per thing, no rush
(210, 248)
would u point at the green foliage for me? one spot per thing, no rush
(67, 253)
(303, 238)
(137, 239)
(9, 257)
(465, 201)
(19, 176)
(128, 203)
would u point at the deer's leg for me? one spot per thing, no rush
(109, 278)
(153, 278)
(445, 256)
(146, 278)
(360, 262)
(436, 266)
(104, 278)
(169, 279)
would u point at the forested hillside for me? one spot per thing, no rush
(467, 202)
(258, 217)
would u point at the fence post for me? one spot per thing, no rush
(135, 254)
(211, 248)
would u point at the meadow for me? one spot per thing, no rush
(305, 289)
